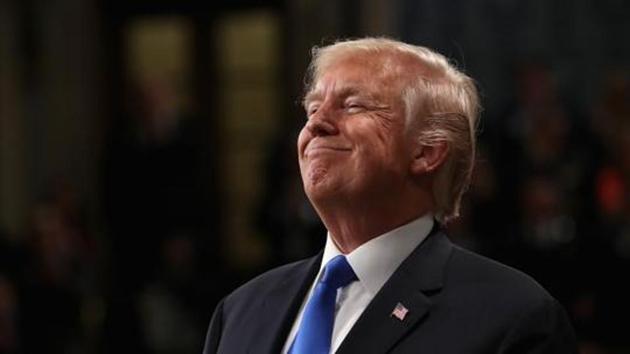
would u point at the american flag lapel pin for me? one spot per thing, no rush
(400, 311)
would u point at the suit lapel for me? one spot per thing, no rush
(280, 306)
(411, 285)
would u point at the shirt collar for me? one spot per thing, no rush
(376, 260)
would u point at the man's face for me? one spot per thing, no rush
(354, 143)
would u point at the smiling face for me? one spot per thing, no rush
(353, 145)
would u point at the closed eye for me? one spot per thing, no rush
(354, 107)
(312, 109)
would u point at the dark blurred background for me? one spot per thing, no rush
(147, 159)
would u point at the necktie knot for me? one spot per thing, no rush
(338, 273)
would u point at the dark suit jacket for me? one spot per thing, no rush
(458, 302)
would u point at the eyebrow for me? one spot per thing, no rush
(343, 91)
(310, 96)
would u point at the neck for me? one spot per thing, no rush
(352, 224)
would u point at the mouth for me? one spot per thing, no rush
(311, 150)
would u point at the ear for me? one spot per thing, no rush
(428, 158)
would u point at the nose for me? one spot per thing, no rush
(320, 124)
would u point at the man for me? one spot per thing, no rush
(388, 148)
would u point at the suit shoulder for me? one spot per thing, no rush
(486, 275)
(269, 280)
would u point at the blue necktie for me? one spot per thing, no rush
(315, 332)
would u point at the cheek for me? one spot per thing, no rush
(384, 147)
(374, 137)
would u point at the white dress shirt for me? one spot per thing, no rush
(373, 262)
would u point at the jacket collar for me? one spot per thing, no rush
(412, 285)
(281, 305)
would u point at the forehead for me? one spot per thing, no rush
(377, 75)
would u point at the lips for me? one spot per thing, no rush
(321, 148)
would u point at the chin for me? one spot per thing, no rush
(319, 187)
(316, 187)
(318, 174)
(321, 182)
